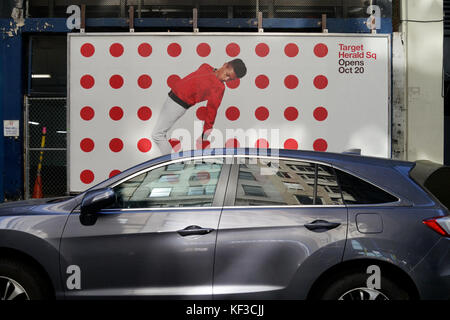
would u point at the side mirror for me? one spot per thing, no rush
(93, 201)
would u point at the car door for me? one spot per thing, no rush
(282, 225)
(157, 241)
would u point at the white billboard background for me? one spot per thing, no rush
(119, 82)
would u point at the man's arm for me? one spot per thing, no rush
(211, 111)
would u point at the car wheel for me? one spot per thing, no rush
(18, 281)
(353, 287)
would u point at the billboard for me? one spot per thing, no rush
(323, 92)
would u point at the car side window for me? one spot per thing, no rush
(263, 182)
(180, 184)
(357, 191)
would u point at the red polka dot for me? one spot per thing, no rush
(261, 144)
(233, 84)
(232, 143)
(172, 80)
(232, 113)
(176, 144)
(87, 50)
(320, 113)
(116, 145)
(261, 113)
(320, 82)
(291, 113)
(321, 50)
(144, 113)
(201, 113)
(203, 49)
(87, 81)
(116, 113)
(291, 82)
(87, 145)
(116, 81)
(233, 49)
(144, 81)
(291, 144)
(144, 145)
(114, 173)
(262, 81)
(87, 113)
(320, 145)
(205, 144)
(203, 177)
(174, 50)
(145, 49)
(116, 50)
(262, 50)
(291, 50)
(87, 176)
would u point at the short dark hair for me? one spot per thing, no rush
(239, 67)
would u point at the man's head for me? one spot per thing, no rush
(232, 70)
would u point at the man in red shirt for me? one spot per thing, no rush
(204, 84)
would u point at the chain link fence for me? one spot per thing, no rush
(48, 113)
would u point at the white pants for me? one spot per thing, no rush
(170, 113)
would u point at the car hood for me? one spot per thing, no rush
(24, 206)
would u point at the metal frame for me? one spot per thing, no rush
(274, 34)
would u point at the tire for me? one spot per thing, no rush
(19, 281)
(353, 286)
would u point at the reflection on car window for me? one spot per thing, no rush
(357, 191)
(284, 182)
(182, 184)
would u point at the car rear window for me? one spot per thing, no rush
(434, 178)
(358, 191)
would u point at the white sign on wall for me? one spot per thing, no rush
(321, 92)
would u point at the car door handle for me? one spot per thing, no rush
(194, 230)
(321, 225)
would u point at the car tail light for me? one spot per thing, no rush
(440, 224)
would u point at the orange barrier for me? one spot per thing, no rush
(37, 190)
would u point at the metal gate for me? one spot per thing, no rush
(48, 113)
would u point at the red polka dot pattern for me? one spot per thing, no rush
(291, 144)
(176, 144)
(144, 81)
(116, 113)
(261, 144)
(114, 173)
(232, 143)
(172, 80)
(291, 82)
(145, 49)
(320, 113)
(320, 145)
(291, 50)
(203, 49)
(201, 113)
(174, 50)
(321, 50)
(87, 81)
(262, 113)
(291, 113)
(144, 113)
(116, 145)
(87, 113)
(233, 49)
(262, 50)
(87, 176)
(232, 113)
(320, 82)
(87, 50)
(116, 81)
(144, 145)
(262, 81)
(116, 50)
(87, 145)
(233, 84)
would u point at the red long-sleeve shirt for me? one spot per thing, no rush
(202, 85)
